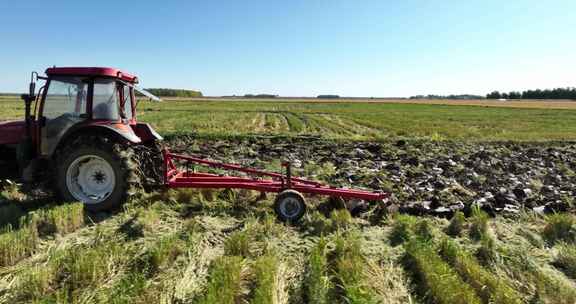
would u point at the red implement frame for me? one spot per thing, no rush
(174, 178)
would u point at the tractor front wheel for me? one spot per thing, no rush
(101, 175)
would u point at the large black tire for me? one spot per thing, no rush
(151, 161)
(290, 206)
(120, 159)
(8, 163)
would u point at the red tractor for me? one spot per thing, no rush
(80, 135)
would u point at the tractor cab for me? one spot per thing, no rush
(78, 99)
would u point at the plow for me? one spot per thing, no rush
(80, 135)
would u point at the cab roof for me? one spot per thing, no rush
(92, 71)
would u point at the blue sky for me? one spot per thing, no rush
(299, 47)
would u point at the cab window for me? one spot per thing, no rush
(65, 95)
(126, 102)
(105, 103)
(63, 107)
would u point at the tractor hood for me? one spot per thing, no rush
(12, 132)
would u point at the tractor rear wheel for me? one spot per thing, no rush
(97, 172)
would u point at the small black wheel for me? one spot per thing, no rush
(290, 206)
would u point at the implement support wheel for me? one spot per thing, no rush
(290, 206)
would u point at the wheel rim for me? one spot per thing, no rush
(90, 179)
(290, 207)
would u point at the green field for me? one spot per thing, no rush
(227, 247)
(356, 120)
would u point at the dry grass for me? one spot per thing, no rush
(566, 259)
(35, 283)
(560, 227)
(436, 280)
(402, 229)
(246, 255)
(318, 283)
(23, 242)
(161, 254)
(228, 281)
(17, 244)
(544, 285)
(523, 104)
(240, 244)
(388, 283)
(512, 103)
(267, 289)
(61, 219)
(92, 266)
(478, 223)
(341, 219)
(489, 287)
(351, 269)
(457, 224)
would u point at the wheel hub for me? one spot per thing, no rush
(90, 179)
(99, 177)
(290, 207)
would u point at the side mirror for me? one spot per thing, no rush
(32, 89)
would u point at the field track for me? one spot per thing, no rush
(355, 119)
(512, 103)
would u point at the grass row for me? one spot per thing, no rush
(23, 242)
(103, 270)
(490, 288)
(339, 274)
(446, 272)
(337, 270)
(67, 272)
(541, 283)
(249, 270)
(436, 279)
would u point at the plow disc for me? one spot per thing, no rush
(289, 204)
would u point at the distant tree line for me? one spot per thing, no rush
(174, 92)
(328, 96)
(260, 96)
(462, 96)
(558, 93)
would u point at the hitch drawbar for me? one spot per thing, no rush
(289, 205)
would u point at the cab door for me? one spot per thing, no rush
(64, 105)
